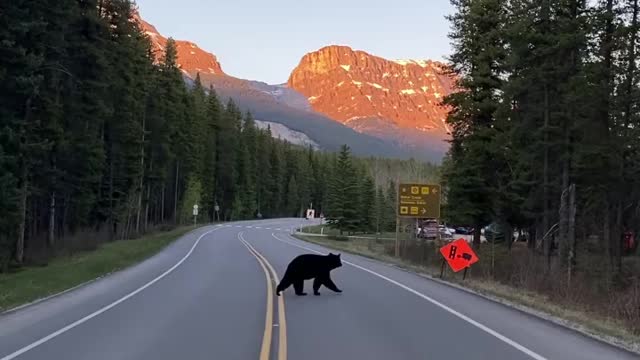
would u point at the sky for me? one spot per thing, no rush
(265, 39)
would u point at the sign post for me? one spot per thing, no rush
(459, 255)
(195, 214)
(416, 201)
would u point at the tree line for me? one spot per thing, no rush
(99, 135)
(545, 133)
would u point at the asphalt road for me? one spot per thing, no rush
(210, 295)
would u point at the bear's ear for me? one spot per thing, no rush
(339, 255)
(331, 254)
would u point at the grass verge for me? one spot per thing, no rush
(33, 283)
(606, 329)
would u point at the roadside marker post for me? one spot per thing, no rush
(195, 214)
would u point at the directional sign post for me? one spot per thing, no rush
(419, 201)
(459, 255)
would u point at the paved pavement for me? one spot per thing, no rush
(210, 295)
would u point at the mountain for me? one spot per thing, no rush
(191, 57)
(396, 100)
(283, 104)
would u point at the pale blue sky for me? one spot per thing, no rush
(265, 39)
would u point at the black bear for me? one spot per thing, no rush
(310, 266)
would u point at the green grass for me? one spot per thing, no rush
(594, 324)
(62, 273)
(328, 230)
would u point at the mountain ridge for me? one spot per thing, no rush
(290, 107)
(347, 85)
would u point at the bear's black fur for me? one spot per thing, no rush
(310, 266)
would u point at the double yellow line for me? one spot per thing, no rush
(272, 278)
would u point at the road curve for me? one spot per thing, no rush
(209, 295)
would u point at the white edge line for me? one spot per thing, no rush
(480, 326)
(102, 310)
(63, 292)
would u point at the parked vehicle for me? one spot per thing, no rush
(445, 232)
(428, 229)
(496, 232)
(464, 230)
(493, 232)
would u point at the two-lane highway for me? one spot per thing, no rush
(210, 295)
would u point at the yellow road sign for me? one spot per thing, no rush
(419, 201)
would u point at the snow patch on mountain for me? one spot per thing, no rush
(280, 131)
(422, 63)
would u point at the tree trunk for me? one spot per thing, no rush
(24, 191)
(545, 179)
(112, 220)
(571, 232)
(22, 212)
(164, 191)
(147, 200)
(616, 239)
(141, 182)
(476, 235)
(175, 197)
(51, 238)
(607, 231)
(531, 239)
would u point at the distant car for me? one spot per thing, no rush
(446, 232)
(428, 230)
(463, 230)
(493, 232)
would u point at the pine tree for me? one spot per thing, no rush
(226, 172)
(391, 201)
(367, 210)
(478, 60)
(343, 194)
(275, 181)
(125, 129)
(209, 158)
(293, 198)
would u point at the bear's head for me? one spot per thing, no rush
(334, 260)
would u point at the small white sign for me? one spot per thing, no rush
(311, 214)
(195, 210)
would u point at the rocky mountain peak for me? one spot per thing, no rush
(191, 58)
(360, 89)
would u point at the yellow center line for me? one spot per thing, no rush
(282, 334)
(268, 322)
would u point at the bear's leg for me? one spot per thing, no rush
(329, 284)
(317, 282)
(298, 286)
(284, 284)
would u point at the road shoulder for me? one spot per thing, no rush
(34, 285)
(531, 304)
